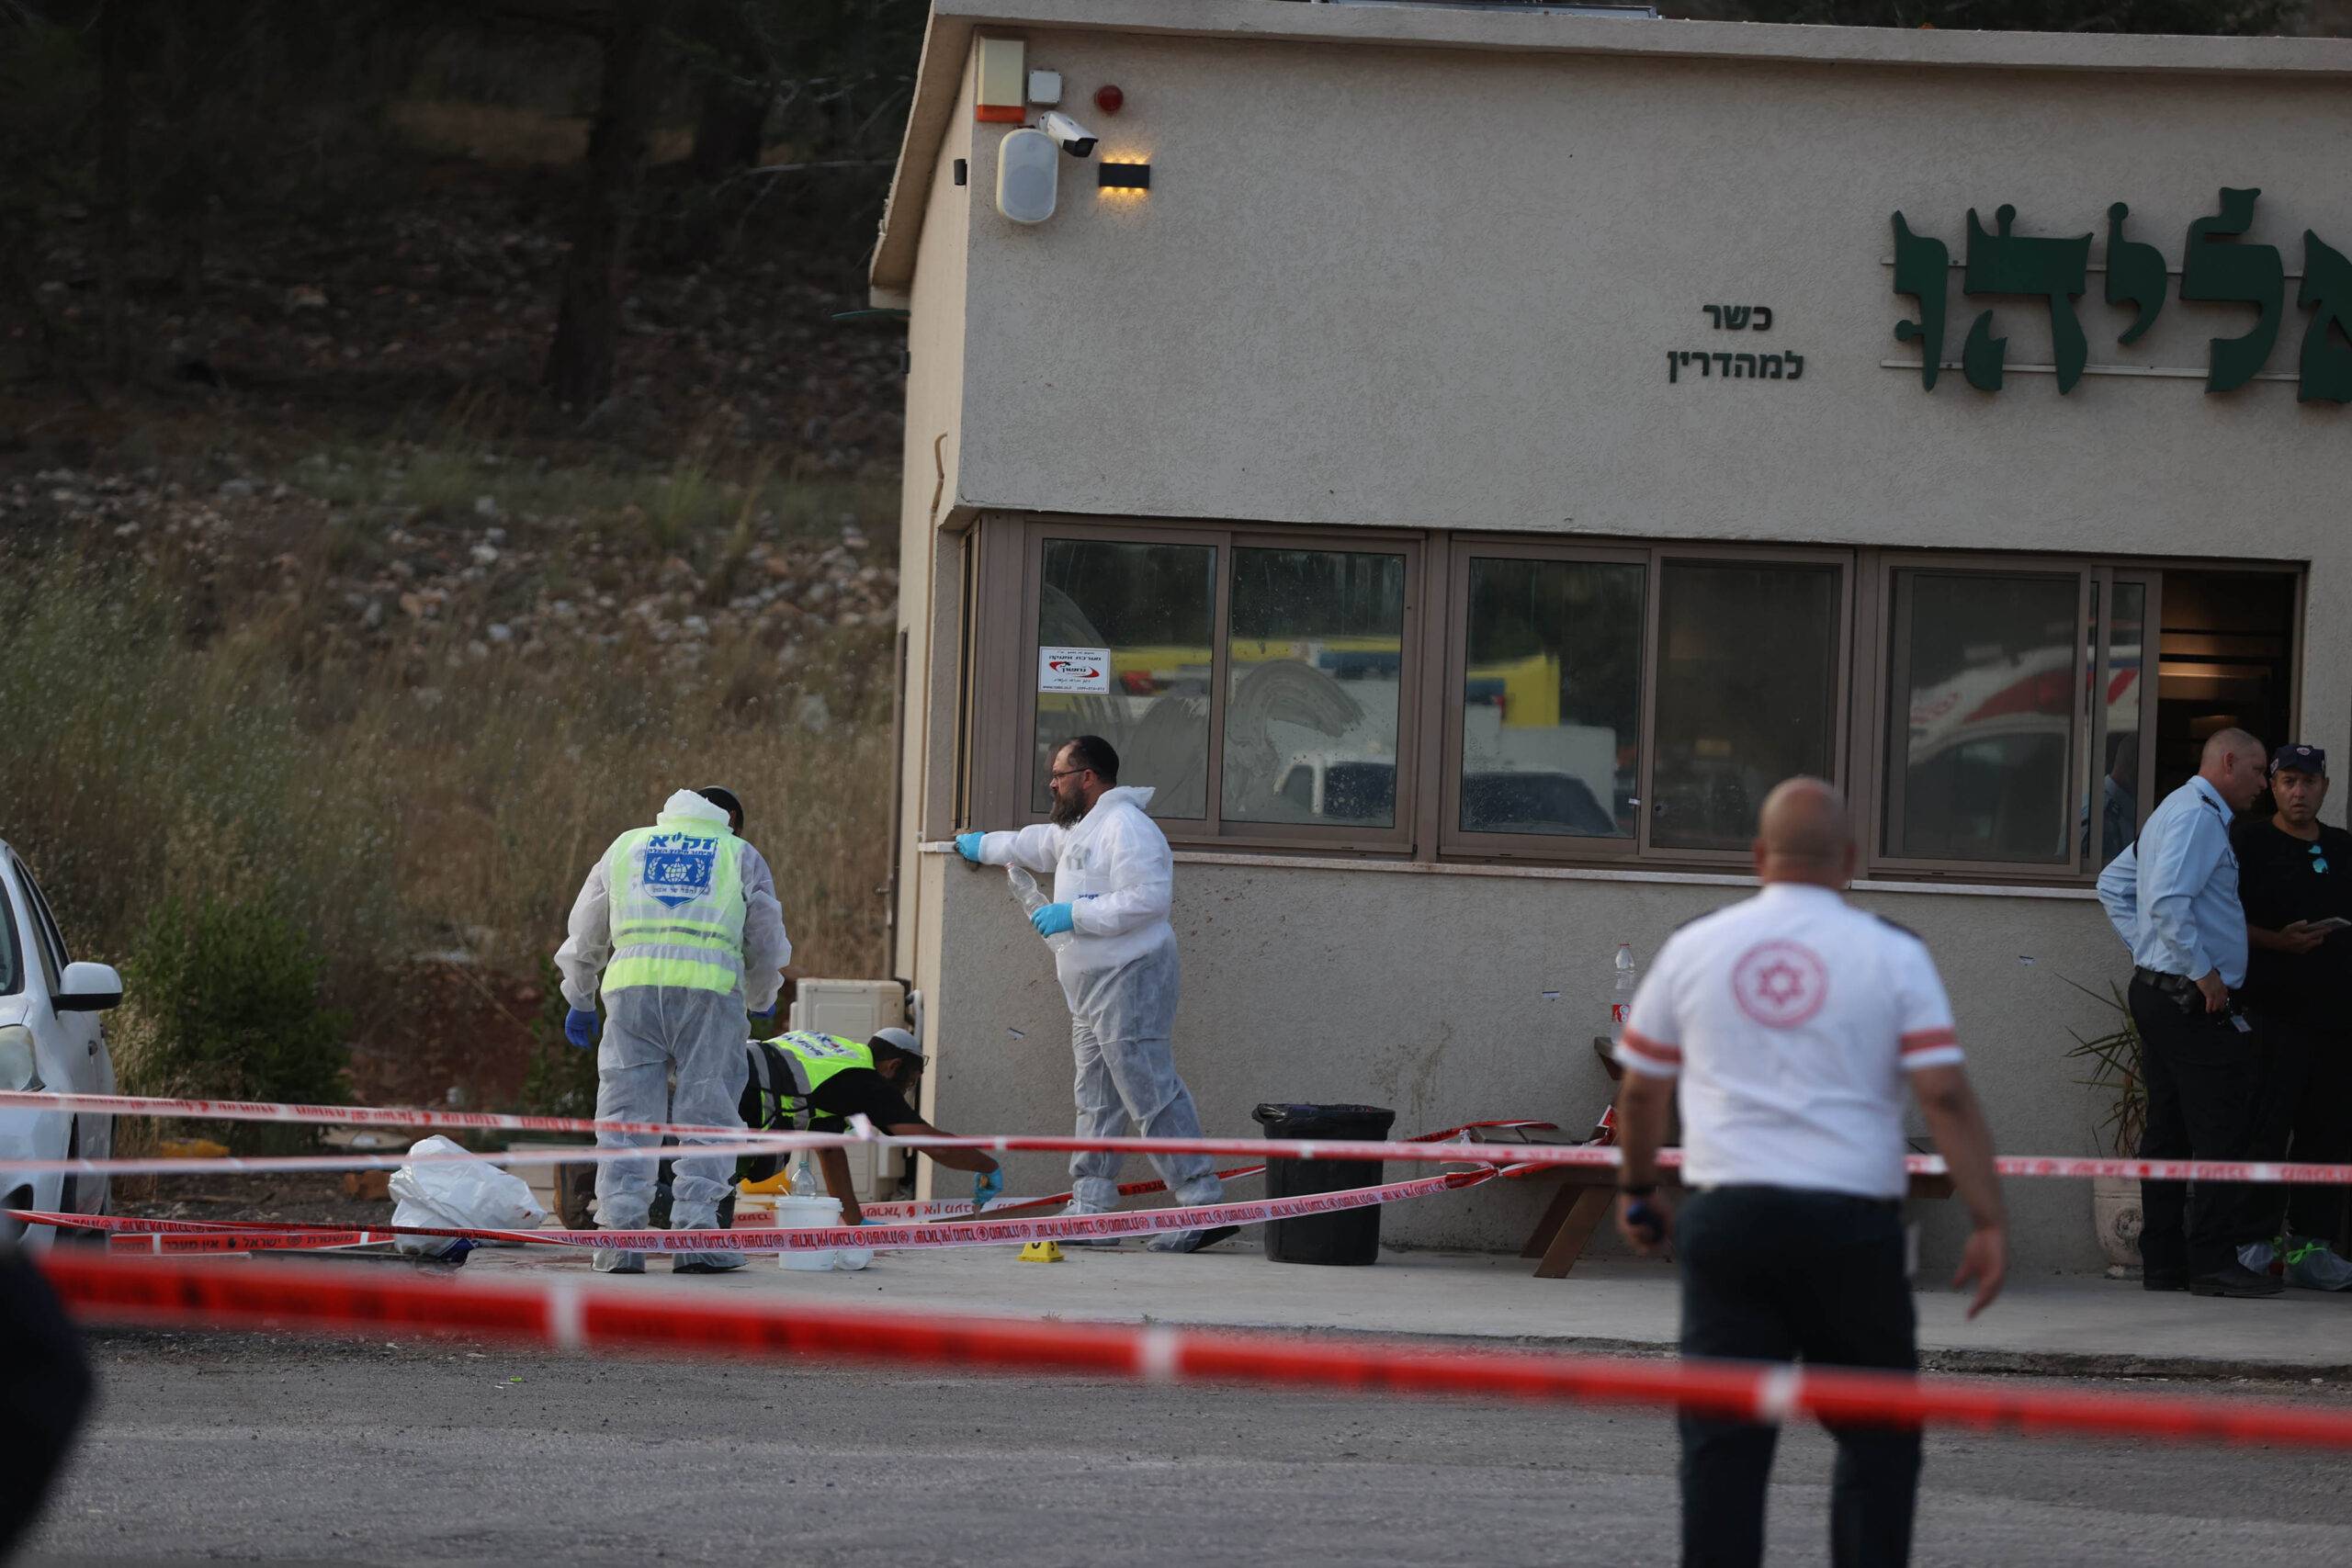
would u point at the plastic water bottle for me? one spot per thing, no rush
(804, 1178)
(1032, 899)
(1620, 1001)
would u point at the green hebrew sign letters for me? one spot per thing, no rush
(1919, 267)
(2135, 275)
(2218, 264)
(2327, 293)
(2212, 268)
(2011, 264)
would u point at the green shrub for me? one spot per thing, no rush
(226, 1004)
(562, 1079)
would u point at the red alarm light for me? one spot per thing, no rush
(1108, 98)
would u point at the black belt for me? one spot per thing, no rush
(2171, 985)
(1771, 1189)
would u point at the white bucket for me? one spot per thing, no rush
(799, 1213)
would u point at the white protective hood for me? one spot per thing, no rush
(686, 803)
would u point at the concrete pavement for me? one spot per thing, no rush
(2057, 1325)
(389, 1450)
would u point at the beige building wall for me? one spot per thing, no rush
(929, 573)
(1434, 285)
(1455, 995)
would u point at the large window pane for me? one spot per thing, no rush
(1984, 670)
(1147, 612)
(1747, 694)
(1551, 697)
(1316, 661)
(2119, 797)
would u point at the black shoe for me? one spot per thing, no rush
(2165, 1279)
(2237, 1281)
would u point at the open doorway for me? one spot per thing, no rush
(2227, 658)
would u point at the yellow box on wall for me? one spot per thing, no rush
(999, 95)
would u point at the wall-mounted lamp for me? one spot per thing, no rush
(1134, 177)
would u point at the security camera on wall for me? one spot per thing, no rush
(1027, 168)
(1073, 138)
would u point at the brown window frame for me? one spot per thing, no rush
(1892, 661)
(1453, 841)
(1641, 851)
(2095, 579)
(999, 696)
(2150, 581)
(1212, 830)
(1841, 739)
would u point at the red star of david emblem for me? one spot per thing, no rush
(1780, 984)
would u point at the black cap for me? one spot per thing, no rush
(2301, 760)
(725, 800)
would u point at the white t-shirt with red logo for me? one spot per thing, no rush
(1791, 1018)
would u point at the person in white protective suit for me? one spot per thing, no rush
(1113, 876)
(679, 927)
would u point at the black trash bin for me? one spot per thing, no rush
(1350, 1236)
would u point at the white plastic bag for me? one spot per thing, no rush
(458, 1195)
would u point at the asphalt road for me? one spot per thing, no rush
(288, 1451)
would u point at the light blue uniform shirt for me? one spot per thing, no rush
(2173, 896)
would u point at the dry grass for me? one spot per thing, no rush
(389, 818)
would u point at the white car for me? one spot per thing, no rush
(49, 1039)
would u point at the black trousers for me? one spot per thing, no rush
(1773, 1274)
(2319, 1119)
(2209, 1098)
(42, 1397)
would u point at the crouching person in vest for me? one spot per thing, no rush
(681, 922)
(804, 1082)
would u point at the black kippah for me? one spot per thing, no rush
(725, 800)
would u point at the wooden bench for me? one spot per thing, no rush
(1587, 1192)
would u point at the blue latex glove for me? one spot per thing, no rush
(580, 1028)
(987, 1186)
(1051, 920)
(767, 1011)
(969, 846)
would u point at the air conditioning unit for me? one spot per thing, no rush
(856, 1010)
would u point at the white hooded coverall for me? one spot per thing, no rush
(1119, 975)
(651, 1030)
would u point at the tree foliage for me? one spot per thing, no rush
(173, 125)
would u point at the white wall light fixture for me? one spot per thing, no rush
(1027, 165)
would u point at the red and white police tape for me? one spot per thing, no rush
(585, 1153)
(238, 1244)
(797, 1238)
(743, 1141)
(345, 1115)
(947, 1208)
(642, 1316)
